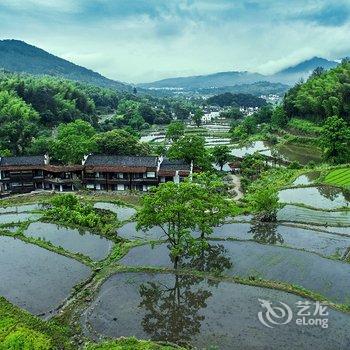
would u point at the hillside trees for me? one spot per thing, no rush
(18, 123)
(335, 140)
(119, 142)
(56, 100)
(321, 96)
(73, 141)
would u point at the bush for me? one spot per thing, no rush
(68, 210)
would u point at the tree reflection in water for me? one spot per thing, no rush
(266, 233)
(173, 310)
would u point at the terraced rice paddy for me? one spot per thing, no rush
(204, 313)
(293, 213)
(123, 213)
(86, 243)
(37, 279)
(322, 197)
(248, 259)
(339, 177)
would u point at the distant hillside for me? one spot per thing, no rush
(207, 81)
(256, 89)
(239, 100)
(18, 56)
(223, 80)
(302, 70)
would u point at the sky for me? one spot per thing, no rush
(146, 40)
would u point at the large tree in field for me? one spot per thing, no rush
(197, 117)
(119, 142)
(335, 140)
(191, 149)
(180, 209)
(221, 154)
(175, 130)
(74, 140)
(18, 123)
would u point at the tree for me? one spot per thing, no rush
(233, 113)
(264, 203)
(119, 142)
(279, 117)
(197, 117)
(175, 130)
(18, 123)
(221, 154)
(74, 140)
(180, 209)
(335, 140)
(191, 149)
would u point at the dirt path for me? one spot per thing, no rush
(234, 183)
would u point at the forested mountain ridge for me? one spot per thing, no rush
(18, 56)
(236, 100)
(324, 94)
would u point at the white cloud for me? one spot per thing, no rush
(187, 40)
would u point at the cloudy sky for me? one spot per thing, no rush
(145, 40)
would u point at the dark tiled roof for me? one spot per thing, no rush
(174, 164)
(22, 161)
(127, 161)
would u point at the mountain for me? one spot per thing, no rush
(216, 80)
(302, 70)
(225, 80)
(18, 56)
(309, 66)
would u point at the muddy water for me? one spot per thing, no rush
(94, 246)
(203, 313)
(35, 278)
(325, 276)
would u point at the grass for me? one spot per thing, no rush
(20, 330)
(339, 177)
(129, 344)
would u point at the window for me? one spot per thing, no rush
(151, 174)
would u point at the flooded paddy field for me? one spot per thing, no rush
(306, 179)
(20, 208)
(294, 237)
(91, 245)
(203, 313)
(293, 213)
(37, 279)
(128, 231)
(123, 213)
(327, 277)
(291, 152)
(17, 217)
(322, 197)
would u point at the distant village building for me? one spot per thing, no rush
(97, 172)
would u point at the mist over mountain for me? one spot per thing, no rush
(18, 56)
(288, 76)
